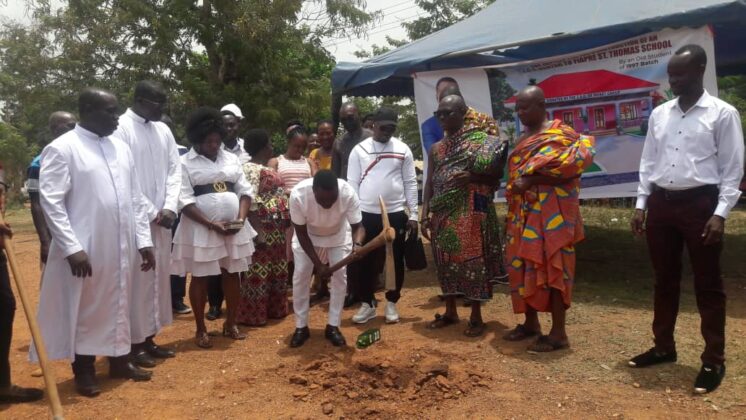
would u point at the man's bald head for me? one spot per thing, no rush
(451, 112)
(531, 93)
(99, 111)
(348, 106)
(150, 100)
(60, 122)
(149, 89)
(349, 117)
(531, 107)
(457, 101)
(686, 70)
(90, 98)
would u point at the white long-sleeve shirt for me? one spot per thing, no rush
(156, 157)
(387, 170)
(683, 150)
(92, 202)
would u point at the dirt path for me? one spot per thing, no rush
(412, 372)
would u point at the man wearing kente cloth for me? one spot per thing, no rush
(458, 216)
(544, 221)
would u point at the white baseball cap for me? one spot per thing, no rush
(234, 109)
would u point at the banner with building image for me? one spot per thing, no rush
(609, 92)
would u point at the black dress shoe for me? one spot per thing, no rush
(86, 385)
(157, 351)
(213, 313)
(652, 357)
(143, 359)
(709, 378)
(15, 394)
(300, 336)
(124, 369)
(334, 336)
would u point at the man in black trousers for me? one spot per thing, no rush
(9, 393)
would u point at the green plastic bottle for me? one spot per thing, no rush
(368, 337)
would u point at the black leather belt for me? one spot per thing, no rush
(675, 195)
(215, 187)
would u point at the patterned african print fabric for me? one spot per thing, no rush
(544, 223)
(465, 229)
(264, 286)
(481, 121)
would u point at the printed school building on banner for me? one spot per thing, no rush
(599, 102)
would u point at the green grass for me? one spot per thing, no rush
(613, 267)
(20, 220)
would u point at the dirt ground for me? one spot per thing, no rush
(418, 373)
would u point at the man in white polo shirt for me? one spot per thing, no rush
(325, 212)
(383, 166)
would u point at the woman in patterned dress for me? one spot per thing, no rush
(264, 286)
(459, 216)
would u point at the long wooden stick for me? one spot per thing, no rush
(389, 273)
(41, 351)
(377, 242)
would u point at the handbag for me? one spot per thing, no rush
(414, 253)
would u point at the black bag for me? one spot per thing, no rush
(414, 253)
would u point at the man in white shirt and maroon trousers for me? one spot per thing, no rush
(691, 165)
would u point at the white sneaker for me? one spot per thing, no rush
(365, 314)
(392, 316)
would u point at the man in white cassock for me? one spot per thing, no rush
(159, 173)
(97, 216)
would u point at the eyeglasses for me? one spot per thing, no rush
(444, 113)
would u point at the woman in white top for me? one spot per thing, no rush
(213, 238)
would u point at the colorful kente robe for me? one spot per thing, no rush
(544, 223)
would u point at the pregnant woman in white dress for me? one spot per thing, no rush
(213, 238)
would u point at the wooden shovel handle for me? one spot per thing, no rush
(49, 380)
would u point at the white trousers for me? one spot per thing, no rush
(302, 284)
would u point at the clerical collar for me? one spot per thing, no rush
(87, 133)
(136, 117)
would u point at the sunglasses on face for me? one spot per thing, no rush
(444, 113)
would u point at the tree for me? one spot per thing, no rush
(265, 56)
(15, 154)
(733, 90)
(442, 14)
